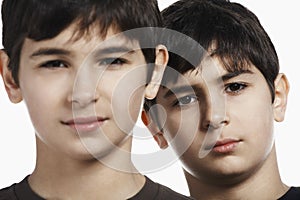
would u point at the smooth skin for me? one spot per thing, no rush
(240, 142)
(65, 82)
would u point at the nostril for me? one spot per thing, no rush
(215, 124)
(83, 99)
(212, 126)
(224, 122)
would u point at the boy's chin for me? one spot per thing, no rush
(204, 167)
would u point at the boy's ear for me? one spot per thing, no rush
(12, 89)
(153, 128)
(161, 61)
(282, 88)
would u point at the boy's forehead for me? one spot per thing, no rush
(89, 42)
(209, 67)
(211, 71)
(111, 37)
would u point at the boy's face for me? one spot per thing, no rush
(83, 96)
(226, 121)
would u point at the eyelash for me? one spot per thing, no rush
(191, 99)
(235, 91)
(228, 89)
(112, 61)
(62, 64)
(54, 64)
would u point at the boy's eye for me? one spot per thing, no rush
(54, 64)
(186, 100)
(112, 61)
(235, 87)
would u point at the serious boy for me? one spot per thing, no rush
(232, 153)
(79, 69)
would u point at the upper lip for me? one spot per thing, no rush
(84, 120)
(225, 141)
(221, 143)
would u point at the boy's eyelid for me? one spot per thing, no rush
(111, 61)
(236, 82)
(193, 96)
(186, 95)
(246, 81)
(181, 91)
(236, 75)
(113, 52)
(177, 101)
(243, 86)
(245, 78)
(125, 55)
(64, 62)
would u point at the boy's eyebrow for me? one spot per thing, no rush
(58, 51)
(180, 89)
(49, 51)
(194, 88)
(231, 75)
(115, 49)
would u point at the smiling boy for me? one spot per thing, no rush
(225, 106)
(82, 75)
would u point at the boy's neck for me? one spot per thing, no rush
(264, 183)
(61, 176)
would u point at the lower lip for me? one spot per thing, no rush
(225, 148)
(87, 127)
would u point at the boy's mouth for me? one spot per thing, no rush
(224, 146)
(85, 124)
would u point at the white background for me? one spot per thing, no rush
(281, 21)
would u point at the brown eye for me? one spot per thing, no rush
(112, 61)
(54, 64)
(235, 87)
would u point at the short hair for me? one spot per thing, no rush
(235, 33)
(45, 19)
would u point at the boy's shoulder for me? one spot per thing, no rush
(19, 191)
(151, 191)
(292, 194)
(8, 193)
(156, 191)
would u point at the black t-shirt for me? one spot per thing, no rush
(150, 191)
(292, 194)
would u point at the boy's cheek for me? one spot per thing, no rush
(181, 128)
(126, 97)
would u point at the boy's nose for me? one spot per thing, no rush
(84, 91)
(214, 113)
(216, 121)
(83, 98)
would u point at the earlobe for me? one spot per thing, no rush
(282, 87)
(12, 89)
(153, 128)
(161, 61)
